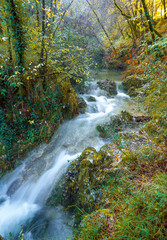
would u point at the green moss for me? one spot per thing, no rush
(117, 123)
(131, 84)
(132, 92)
(109, 86)
(82, 105)
(96, 226)
(91, 99)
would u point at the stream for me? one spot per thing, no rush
(23, 193)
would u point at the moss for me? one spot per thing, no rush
(131, 84)
(91, 99)
(69, 99)
(82, 105)
(109, 86)
(97, 225)
(117, 123)
(132, 92)
(79, 184)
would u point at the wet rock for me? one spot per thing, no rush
(109, 86)
(91, 99)
(142, 118)
(117, 123)
(82, 105)
(132, 92)
(2, 199)
(131, 84)
(82, 179)
(13, 187)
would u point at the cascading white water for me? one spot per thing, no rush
(23, 193)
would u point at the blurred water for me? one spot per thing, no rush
(24, 192)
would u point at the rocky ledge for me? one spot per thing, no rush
(109, 86)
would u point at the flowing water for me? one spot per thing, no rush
(24, 192)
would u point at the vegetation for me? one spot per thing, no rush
(37, 66)
(47, 49)
(122, 193)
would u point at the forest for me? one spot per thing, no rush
(83, 84)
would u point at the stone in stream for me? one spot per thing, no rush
(91, 99)
(131, 84)
(82, 105)
(117, 123)
(84, 172)
(109, 86)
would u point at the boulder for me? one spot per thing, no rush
(131, 84)
(82, 105)
(117, 123)
(109, 86)
(91, 99)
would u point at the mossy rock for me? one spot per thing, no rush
(82, 178)
(131, 84)
(109, 86)
(106, 153)
(96, 225)
(132, 92)
(69, 99)
(126, 117)
(117, 123)
(91, 99)
(82, 105)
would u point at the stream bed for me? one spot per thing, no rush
(24, 192)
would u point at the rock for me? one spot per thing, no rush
(131, 84)
(142, 118)
(126, 117)
(91, 99)
(109, 86)
(82, 178)
(132, 92)
(117, 123)
(1, 238)
(82, 105)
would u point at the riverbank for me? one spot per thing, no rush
(120, 191)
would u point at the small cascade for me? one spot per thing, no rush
(24, 192)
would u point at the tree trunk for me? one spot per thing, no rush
(164, 9)
(120, 29)
(37, 12)
(18, 34)
(43, 31)
(141, 16)
(148, 19)
(9, 47)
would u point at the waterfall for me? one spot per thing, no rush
(23, 192)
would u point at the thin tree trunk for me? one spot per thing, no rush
(161, 9)
(133, 36)
(37, 12)
(98, 19)
(164, 3)
(43, 31)
(9, 47)
(148, 19)
(63, 17)
(18, 34)
(141, 16)
(120, 29)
